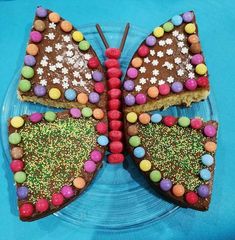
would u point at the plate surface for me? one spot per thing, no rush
(119, 197)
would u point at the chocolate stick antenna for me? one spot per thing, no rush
(124, 37)
(102, 35)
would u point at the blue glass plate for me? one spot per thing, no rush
(119, 197)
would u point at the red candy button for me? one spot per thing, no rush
(101, 127)
(57, 199)
(113, 53)
(114, 115)
(115, 135)
(93, 63)
(116, 147)
(26, 210)
(164, 89)
(115, 125)
(16, 165)
(99, 87)
(114, 72)
(114, 93)
(114, 83)
(42, 205)
(169, 121)
(203, 82)
(191, 198)
(114, 104)
(112, 63)
(143, 51)
(116, 158)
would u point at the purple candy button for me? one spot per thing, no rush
(97, 76)
(203, 191)
(41, 12)
(177, 87)
(89, 166)
(75, 112)
(35, 117)
(29, 60)
(132, 72)
(40, 90)
(94, 97)
(165, 185)
(129, 85)
(22, 192)
(129, 100)
(188, 17)
(150, 41)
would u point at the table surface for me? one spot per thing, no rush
(216, 25)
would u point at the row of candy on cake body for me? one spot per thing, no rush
(67, 191)
(155, 175)
(36, 36)
(177, 87)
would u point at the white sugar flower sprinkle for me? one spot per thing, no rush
(184, 50)
(51, 36)
(88, 76)
(175, 33)
(70, 46)
(59, 58)
(142, 69)
(58, 46)
(161, 43)
(64, 70)
(142, 81)
(155, 72)
(189, 66)
(75, 82)
(48, 49)
(43, 82)
(191, 75)
(65, 85)
(153, 80)
(155, 62)
(152, 52)
(69, 53)
(146, 60)
(160, 82)
(170, 79)
(76, 74)
(169, 41)
(59, 65)
(66, 38)
(56, 80)
(178, 60)
(45, 58)
(180, 37)
(180, 72)
(52, 68)
(52, 25)
(169, 51)
(180, 44)
(71, 61)
(87, 56)
(170, 66)
(160, 54)
(39, 71)
(138, 88)
(82, 83)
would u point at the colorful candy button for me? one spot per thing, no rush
(27, 72)
(98, 113)
(26, 210)
(184, 121)
(17, 122)
(54, 93)
(84, 45)
(191, 84)
(169, 121)
(195, 48)
(20, 177)
(35, 36)
(153, 92)
(67, 191)
(50, 116)
(79, 183)
(42, 205)
(177, 87)
(54, 17)
(99, 87)
(29, 60)
(191, 198)
(144, 118)
(87, 112)
(77, 36)
(89, 166)
(168, 26)
(82, 98)
(16, 165)
(145, 165)
(201, 69)
(14, 138)
(210, 146)
(155, 176)
(101, 127)
(66, 26)
(39, 90)
(193, 39)
(158, 32)
(57, 199)
(129, 85)
(103, 140)
(132, 73)
(205, 174)
(41, 12)
(196, 123)
(75, 112)
(96, 156)
(197, 59)
(32, 49)
(177, 20)
(35, 117)
(93, 62)
(132, 130)
(129, 100)
(22, 192)
(190, 28)
(39, 25)
(143, 51)
(150, 41)
(94, 97)
(134, 141)
(203, 82)
(203, 191)
(188, 16)
(156, 118)
(207, 160)
(178, 190)
(140, 99)
(165, 185)
(136, 62)
(17, 152)
(209, 131)
(24, 85)
(70, 94)
(131, 117)
(139, 152)
(164, 89)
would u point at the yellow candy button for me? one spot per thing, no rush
(145, 165)
(17, 122)
(158, 32)
(190, 28)
(77, 36)
(131, 117)
(201, 69)
(54, 93)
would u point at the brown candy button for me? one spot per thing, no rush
(195, 48)
(39, 25)
(132, 130)
(17, 152)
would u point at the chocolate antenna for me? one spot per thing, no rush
(102, 35)
(124, 37)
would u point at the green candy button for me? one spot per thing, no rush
(155, 176)
(134, 141)
(86, 112)
(168, 26)
(84, 45)
(184, 121)
(14, 138)
(27, 72)
(24, 85)
(20, 177)
(50, 116)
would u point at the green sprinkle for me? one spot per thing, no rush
(24, 85)
(14, 138)
(50, 116)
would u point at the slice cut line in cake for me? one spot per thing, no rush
(55, 156)
(61, 69)
(176, 155)
(168, 68)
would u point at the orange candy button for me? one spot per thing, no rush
(32, 49)
(66, 26)
(153, 92)
(144, 118)
(136, 62)
(210, 146)
(54, 17)
(82, 98)
(178, 190)
(98, 113)
(79, 183)
(193, 39)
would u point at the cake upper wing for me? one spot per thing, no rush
(61, 69)
(168, 68)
